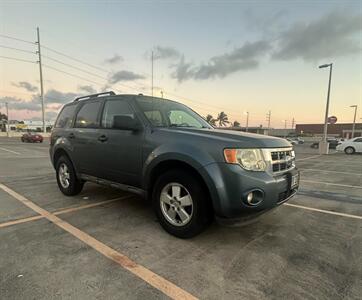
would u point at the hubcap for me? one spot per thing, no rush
(63, 175)
(349, 150)
(176, 204)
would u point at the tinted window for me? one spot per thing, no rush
(358, 140)
(66, 116)
(87, 115)
(115, 108)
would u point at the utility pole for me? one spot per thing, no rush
(268, 118)
(41, 81)
(7, 121)
(152, 73)
(293, 121)
(285, 128)
(354, 119)
(247, 121)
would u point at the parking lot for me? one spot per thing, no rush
(105, 243)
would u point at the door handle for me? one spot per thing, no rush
(71, 135)
(103, 138)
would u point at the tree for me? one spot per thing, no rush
(3, 117)
(210, 119)
(223, 119)
(235, 124)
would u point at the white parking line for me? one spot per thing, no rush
(324, 211)
(309, 157)
(329, 171)
(11, 151)
(335, 184)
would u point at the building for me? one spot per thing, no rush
(343, 130)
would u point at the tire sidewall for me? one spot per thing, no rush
(347, 150)
(74, 184)
(199, 218)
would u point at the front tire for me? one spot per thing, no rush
(181, 204)
(349, 150)
(67, 180)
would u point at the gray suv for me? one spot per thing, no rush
(163, 150)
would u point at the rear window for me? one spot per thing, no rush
(87, 116)
(66, 116)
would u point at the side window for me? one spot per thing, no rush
(154, 116)
(358, 140)
(66, 116)
(87, 115)
(115, 108)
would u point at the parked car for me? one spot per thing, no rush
(293, 142)
(351, 146)
(332, 144)
(31, 137)
(299, 140)
(165, 151)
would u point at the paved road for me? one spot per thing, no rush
(293, 252)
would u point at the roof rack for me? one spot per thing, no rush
(110, 93)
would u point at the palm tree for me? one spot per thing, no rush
(236, 124)
(222, 118)
(210, 119)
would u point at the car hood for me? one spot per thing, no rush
(232, 138)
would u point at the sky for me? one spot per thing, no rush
(231, 56)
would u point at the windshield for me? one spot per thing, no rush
(165, 113)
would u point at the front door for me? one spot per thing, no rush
(119, 150)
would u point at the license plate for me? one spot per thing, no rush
(294, 181)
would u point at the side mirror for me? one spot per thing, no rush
(126, 123)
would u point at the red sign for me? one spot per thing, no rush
(332, 120)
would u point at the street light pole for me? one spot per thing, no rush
(247, 121)
(7, 115)
(324, 145)
(354, 119)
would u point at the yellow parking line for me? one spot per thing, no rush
(62, 211)
(324, 211)
(158, 282)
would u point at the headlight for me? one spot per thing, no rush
(249, 159)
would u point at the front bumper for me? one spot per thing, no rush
(229, 185)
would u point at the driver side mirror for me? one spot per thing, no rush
(124, 122)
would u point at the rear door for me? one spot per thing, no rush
(119, 150)
(85, 136)
(357, 143)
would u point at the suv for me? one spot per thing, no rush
(165, 151)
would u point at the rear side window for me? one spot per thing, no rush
(115, 108)
(358, 140)
(66, 116)
(87, 116)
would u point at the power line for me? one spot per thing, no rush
(17, 49)
(75, 59)
(18, 59)
(16, 39)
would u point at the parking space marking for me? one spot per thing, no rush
(63, 211)
(324, 211)
(11, 151)
(153, 279)
(335, 184)
(329, 171)
(309, 157)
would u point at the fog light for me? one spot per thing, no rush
(250, 197)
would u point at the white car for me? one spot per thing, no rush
(351, 146)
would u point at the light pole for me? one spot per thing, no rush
(324, 147)
(247, 121)
(354, 119)
(285, 128)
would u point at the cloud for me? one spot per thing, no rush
(20, 104)
(54, 96)
(124, 76)
(114, 59)
(243, 58)
(161, 52)
(87, 88)
(330, 36)
(25, 85)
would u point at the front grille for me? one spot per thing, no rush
(282, 160)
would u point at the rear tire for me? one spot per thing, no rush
(67, 180)
(349, 150)
(181, 204)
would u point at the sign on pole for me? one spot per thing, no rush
(332, 120)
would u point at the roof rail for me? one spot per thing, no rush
(110, 93)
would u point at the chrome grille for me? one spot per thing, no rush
(282, 159)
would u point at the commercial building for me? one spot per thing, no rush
(343, 130)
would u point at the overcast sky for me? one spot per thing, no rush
(235, 56)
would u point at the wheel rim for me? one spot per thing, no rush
(349, 150)
(176, 204)
(64, 176)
